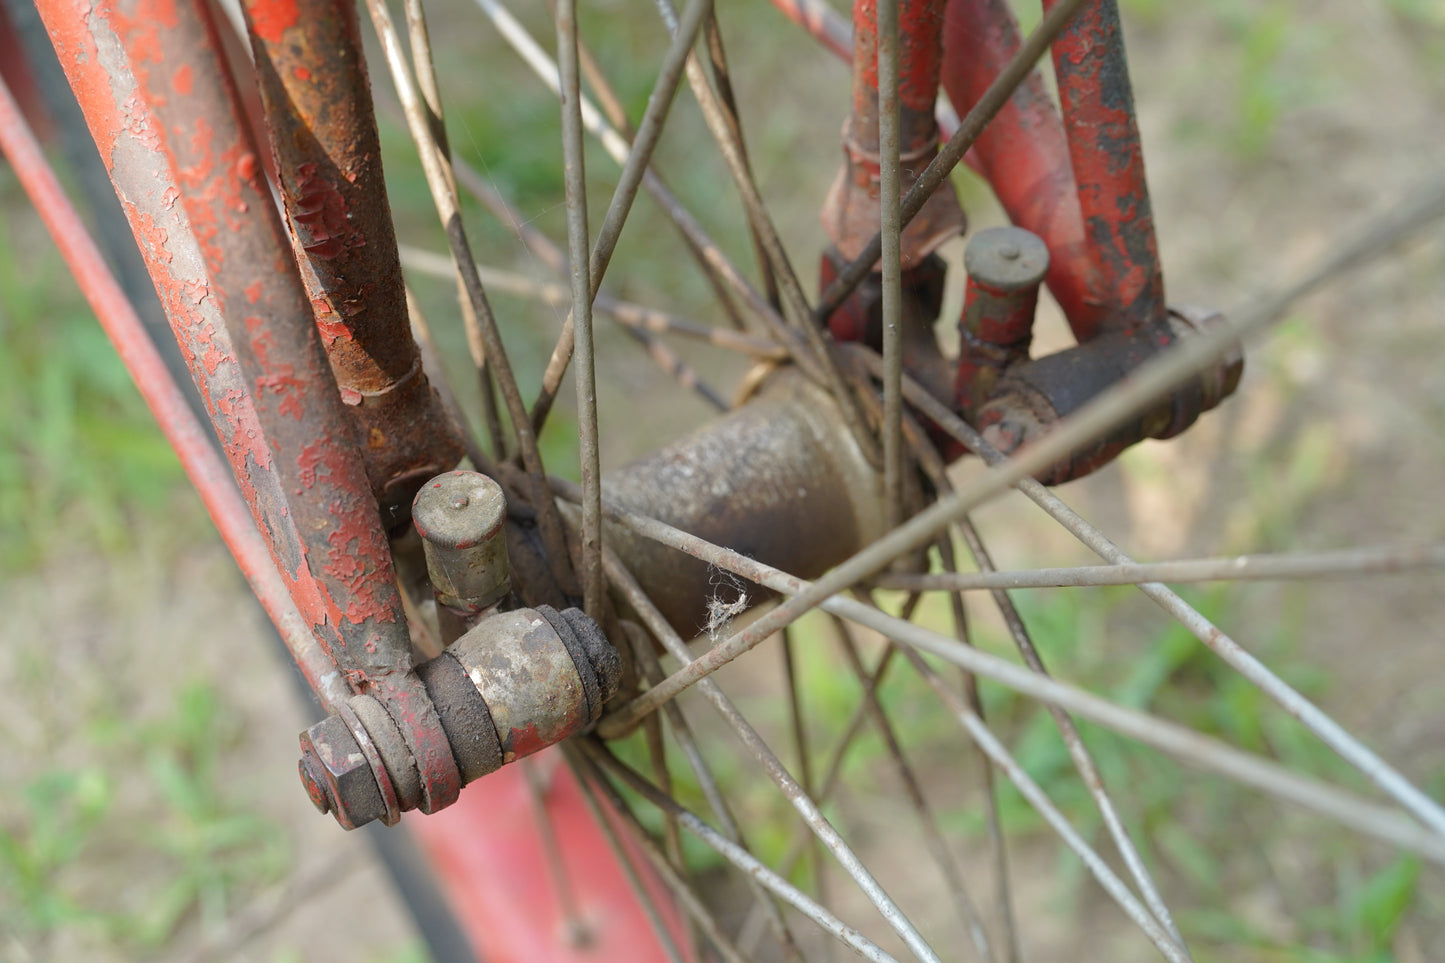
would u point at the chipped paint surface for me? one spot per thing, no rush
(315, 92)
(1103, 135)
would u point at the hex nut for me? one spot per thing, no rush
(334, 771)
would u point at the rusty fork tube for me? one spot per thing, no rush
(852, 209)
(174, 90)
(317, 99)
(1108, 161)
(1024, 154)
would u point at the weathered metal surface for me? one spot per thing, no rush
(851, 211)
(1005, 266)
(516, 683)
(527, 677)
(860, 317)
(391, 807)
(337, 776)
(398, 768)
(459, 516)
(464, 715)
(780, 480)
(920, 55)
(1030, 398)
(1023, 153)
(1097, 102)
(317, 98)
(153, 378)
(161, 89)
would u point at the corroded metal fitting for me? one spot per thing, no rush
(1005, 266)
(459, 516)
(851, 211)
(514, 684)
(1030, 398)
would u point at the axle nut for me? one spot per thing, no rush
(337, 775)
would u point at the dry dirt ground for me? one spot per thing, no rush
(1271, 130)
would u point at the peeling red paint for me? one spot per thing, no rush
(1108, 162)
(1023, 153)
(316, 95)
(272, 18)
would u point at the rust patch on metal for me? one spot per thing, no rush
(317, 99)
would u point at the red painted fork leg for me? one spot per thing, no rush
(1103, 132)
(852, 209)
(317, 99)
(920, 55)
(132, 342)
(125, 134)
(1024, 154)
(341, 577)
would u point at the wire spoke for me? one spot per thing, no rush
(740, 857)
(794, 302)
(1372, 560)
(1184, 743)
(574, 174)
(591, 777)
(436, 165)
(1003, 892)
(622, 581)
(1030, 790)
(1083, 761)
(935, 843)
(891, 232)
(1330, 732)
(638, 159)
(824, 830)
(702, 245)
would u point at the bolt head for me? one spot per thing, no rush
(337, 776)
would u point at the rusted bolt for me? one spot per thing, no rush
(459, 516)
(313, 778)
(1030, 398)
(515, 683)
(337, 776)
(1005, 266)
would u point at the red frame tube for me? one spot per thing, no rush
(313, 81)
(920, 55)
(132, 342)
(1024, 154)
(1108, 161)
(162, 86)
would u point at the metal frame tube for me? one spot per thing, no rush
(1023, 153)
(1097, 101)
(153, 85)
(317, 97)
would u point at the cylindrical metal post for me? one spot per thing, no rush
(459, 516)
(1005, 266)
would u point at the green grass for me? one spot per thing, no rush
(193, 848)
(80, 455)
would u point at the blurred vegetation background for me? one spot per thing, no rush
(147, 799)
